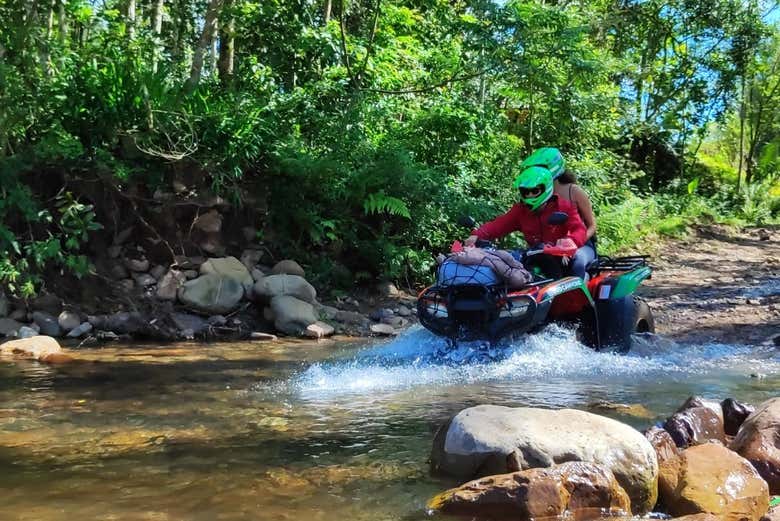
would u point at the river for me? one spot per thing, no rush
(339, 430)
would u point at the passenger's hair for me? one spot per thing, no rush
(567, 177)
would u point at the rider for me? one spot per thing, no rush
(535, 185)
(565, 187)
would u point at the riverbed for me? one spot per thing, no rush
(334, 430)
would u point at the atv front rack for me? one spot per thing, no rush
(629, 263)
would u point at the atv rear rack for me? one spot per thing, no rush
(629, 263)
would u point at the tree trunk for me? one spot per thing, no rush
(206, 36)
(157, 13)
(327, 11)
(214, 51)
(227, 43)
(130, 19)
(62, 23)
(741, 132)
(46, 47)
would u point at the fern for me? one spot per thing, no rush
(379, 202)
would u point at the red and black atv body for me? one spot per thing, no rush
(604, 309)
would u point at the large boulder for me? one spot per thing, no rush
(273, 286)
(9, 327)
(288, 267)
(123, 322)
(662, 442)
(42, 348)
(229, 267)
(758, 441)
(734, 415)
(490, 439)
(291, 315)
(47, 323)
(69, 320)
(578, 490)
(212, 294)
(694, 426)
(712, 479)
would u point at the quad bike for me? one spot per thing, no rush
(604, 309)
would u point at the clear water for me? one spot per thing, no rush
(303, 431)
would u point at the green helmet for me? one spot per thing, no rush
(548, 157)
(536, 177)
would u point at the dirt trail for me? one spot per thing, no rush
(718, 285)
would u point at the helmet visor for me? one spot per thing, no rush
(528, 193)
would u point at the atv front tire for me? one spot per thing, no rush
(620, 318)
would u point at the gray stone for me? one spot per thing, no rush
(288, 267)
(328, 312)
(264, 337)
(319, 330)
(49, 303)
(80, 331)
(229, 268)
(169, 285)
(27, 332)
(396, 322)
(404, 311)
(490, 439)
(212, 294)
(127, 284)
(292, 316)
(186, 321)
(158, 271)
(351, 317)
(5, 306)
(9, 327)
(217, 320)
(48, 324)
(137, 265)
(387, 289)
(124, 322)
(250, 258)
(209, 222)
(383, 329)
(18, 314)
(257, 274)
(68, 320)
(284, 285)
(118, 271)
(144, 280)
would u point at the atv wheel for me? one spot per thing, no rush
(621, 318)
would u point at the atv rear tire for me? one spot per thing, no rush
(621, 318)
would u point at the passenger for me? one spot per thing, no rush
(565, 187)
(535, 187)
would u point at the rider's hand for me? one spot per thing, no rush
(471, 241)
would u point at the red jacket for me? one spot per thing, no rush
(534, 225)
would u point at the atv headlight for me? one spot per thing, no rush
(515, 308)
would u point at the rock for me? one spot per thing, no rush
(158, 271)
(273, 286)
(697, 517)
(229, 268)
(763, 234)
(80, 330)
(576, 489)
(263, 337)
(665, 448)
(18, 314)
(490, 439)
(5, 306)
(209, 222)
(114, 251)
(698, 401)
(118, 271)
(27, 332)
(396, 322)
(350, 317)
(291, 315)
(328, 312)
(42, 348)
(122, 236)
(137, 265)
(387, 289)
(383, 330)
(187, 322)
(169, 285)
(288, 267)
(634, 409)
(212, 294)
(217, 320)
(250, 258)
(51, 304)
(712, 479)
(124, 322)
(9, 327)
(182, 262)
(319, 330)
(774, 512)
(191, 274)
(144, 280)
(257, 274)
(127, 284)
(734, 414)
(379, 315)
(48, 324)
(695, 426)
(758, 441)
(268, 314)
(404, 311)
(68, 320)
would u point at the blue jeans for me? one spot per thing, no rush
(584, 256)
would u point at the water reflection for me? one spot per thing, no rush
(325, 431)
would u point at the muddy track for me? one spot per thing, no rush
(718, 285)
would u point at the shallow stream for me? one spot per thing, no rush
(302, 431)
